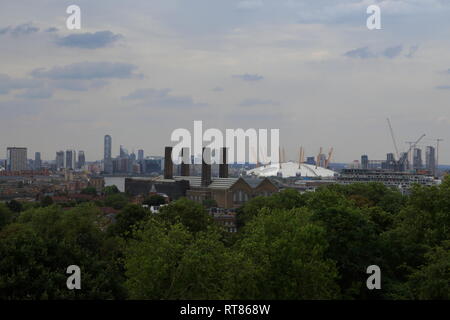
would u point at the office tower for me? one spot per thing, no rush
(37, 161)
(417, 159)
(59, 160)
(81, 160)
(140, 155)
(404, 162)
(16, 159)
(107, 160)
(70, 159)
(364, 162)
(430, 159)
(123, 152)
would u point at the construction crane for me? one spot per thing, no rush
(393, 138)
(327, 162)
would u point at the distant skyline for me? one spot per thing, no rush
(309, 68)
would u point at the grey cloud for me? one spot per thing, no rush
(362, 53)
(78, 85)
(8, 84)
(36, 93)
(393, 52)
(95, 40)
(22, 29)
(217, 89)
(444, 87)
(88, 71)
(389, 52)
(248, 77)
(162, 98)
(258, 102)
(52, 29)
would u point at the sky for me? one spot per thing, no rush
(139, 69)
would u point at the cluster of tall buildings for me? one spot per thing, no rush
(126, 163)
(68, 160)
(17, 160)
(407, 162)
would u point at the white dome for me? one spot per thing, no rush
(292, 169)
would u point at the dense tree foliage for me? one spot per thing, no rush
(154, 200)
(38, 248)
(315, 245)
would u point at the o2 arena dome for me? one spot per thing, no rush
(292, 169)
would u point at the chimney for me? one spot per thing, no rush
(206, 167)
(168, 164)
(223, 166)
(185, 169)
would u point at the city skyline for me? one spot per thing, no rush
(312, 70)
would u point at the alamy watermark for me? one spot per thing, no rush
(242, 146)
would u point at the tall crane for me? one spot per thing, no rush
(393, 138)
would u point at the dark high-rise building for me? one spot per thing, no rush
(107, 159)
(59, 160)
(140, 155)
(430, 159)
(70, 159)
(81, 160)
(16, 159)
(390, 163)
(37, 161)
(417, 159)
(364, 162)
(123, 152)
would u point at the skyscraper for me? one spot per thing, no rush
(107, 160)
(140, 155)
(37, 161)
(430, 159)
(16, 159)
(81, 160)
(417, 159)
(59, 160)
(70, 159)
(364, 162)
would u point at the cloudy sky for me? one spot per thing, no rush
(139, 69)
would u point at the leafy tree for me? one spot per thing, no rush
(46, 201)
(287, 253)
(127, 218)
(155, 200)
(191, 214)
(109, 190)
(432, 280)
(6, 215)
(352, 237)
(166, 261)
(44, 242)
(117, 201)
(286, 199)
(15, 206)
(92, 191)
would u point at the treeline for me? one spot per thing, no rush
(316, 245)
